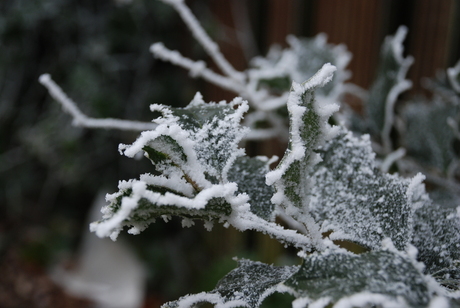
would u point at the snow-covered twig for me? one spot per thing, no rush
(203, 38)
(391, 158)
(80, 119)
(196, 68)
(230, 79)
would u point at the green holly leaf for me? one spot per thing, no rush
(370, 278)
(389, 83)
(309, 128)
(356, 201)
(246, 286)
(301, 60)
(437, 238)
(427, 135)
(249, 174)
(192, 150)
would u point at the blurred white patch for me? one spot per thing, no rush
(107, 272)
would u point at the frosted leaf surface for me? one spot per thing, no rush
(246, 286)
(356, 201)
(437, 238)
(192, 150)
(308, 130)
(427, 135)
(302, 59)
(337, 275)
(390, 80)
(215, 130)
(249, 174)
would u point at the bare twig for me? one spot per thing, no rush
(80, 119)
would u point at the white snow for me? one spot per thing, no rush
(453, 74)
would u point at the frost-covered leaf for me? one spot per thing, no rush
(355, 200)
(249, 174)
(192, 150)
(215, 130)
(302, 59)
(389, 83)
(427, 135)
(437, 238)
(338, 275)
(246, 286)
(308, 130)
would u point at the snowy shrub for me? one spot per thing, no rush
(329, 188)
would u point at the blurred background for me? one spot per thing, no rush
(51, 173)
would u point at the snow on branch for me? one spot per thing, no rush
(203, 38)
(80, 119)
(196, 68)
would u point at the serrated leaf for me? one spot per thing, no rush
(437, 238)
(249, 174)
(308, 130)
(337, 275)
(355, 200)
(427, 135)
(246, 286)
(303, 58)
(192, 150)
(216, 132)
(389, 83)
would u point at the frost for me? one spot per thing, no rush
(192, 180)
(327, 188)
(355, 200)
(372, 277)
(437, 238)
(427, 135)
(388, 85)
(246, 286)
(300, 61)
(249, 174)
(200, 173)
(308, 130)
(453, 74)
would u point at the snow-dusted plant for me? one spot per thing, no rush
(326, 187)
(266, 83)
(326, 193)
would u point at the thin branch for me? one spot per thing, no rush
(203, 38)
(80, 119)
(244, 31)
(391, 158)
(196, 68)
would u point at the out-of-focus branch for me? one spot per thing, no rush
(203, 38)
(80, 119)
(196, 68)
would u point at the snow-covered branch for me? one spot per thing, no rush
(80, 119)
(196, 68)
(203, 38)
